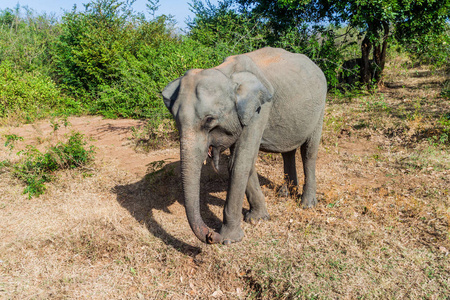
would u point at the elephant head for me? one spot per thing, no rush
(211, 108)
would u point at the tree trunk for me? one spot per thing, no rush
(366, 74)
(379, 55)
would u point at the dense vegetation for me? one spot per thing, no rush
(107, 59)
(104, 60)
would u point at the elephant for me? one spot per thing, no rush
(270, 100)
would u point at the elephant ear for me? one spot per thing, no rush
(251, 93)
(253, 88)
(170, 93)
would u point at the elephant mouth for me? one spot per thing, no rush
(214, 154)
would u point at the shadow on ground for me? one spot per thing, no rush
(161, 187)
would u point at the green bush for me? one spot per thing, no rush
(27, 89)
(30, 95)
(230, 32)
(117, 62)
(38, 168)
(25, 39)
(445, 92)
(444, 128)
(114, 60)
(431, 49)
(225, 30)
(105, 59)
(141, 77)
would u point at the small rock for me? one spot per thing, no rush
(443, 250)
(217, 293)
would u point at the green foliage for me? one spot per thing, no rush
(117, 62)
(233, 32)
(55, 124)
(11, 140)
(91, 43)
(444, 121)
(377, 21)
(27, 90)
(446, 89)
(25, 39)
(7, 17)
(38, 168)
(324, 52)
(4, 164)
(223, 28)
(30, 94)
(430, 49)
(136, 92)
(442, 134)
(107, 59)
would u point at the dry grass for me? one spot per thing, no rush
(380, 230)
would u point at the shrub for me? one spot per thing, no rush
(114, 60)
(431, 49)
(30, 95)
(221, 27)
(38, 168)
(444, 128)
(445, 92)
(25, 39)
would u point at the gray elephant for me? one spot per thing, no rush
(270, 100)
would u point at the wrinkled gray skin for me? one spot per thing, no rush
(270, 100)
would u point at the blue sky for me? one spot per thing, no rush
(177, 8)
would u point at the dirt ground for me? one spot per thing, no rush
(118, 230)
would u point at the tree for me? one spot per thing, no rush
(377, 20)
(222, 26)
(232, 28)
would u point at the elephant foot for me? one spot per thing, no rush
(253, 216)
(308, 202)
(309, 198)
(231, 235)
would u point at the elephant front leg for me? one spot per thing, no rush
(255, 197)
(243, 179)
(231, 230)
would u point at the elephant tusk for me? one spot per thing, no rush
(215, 159)
(210, 151)
(214, 154)
(214, 166)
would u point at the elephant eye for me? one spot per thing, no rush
(209, 122)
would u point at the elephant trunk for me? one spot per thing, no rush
(193, 153)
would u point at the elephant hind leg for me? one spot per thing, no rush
(309, 156)
(255, 197)
(290, 185)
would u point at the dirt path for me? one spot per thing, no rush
(111, 139)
